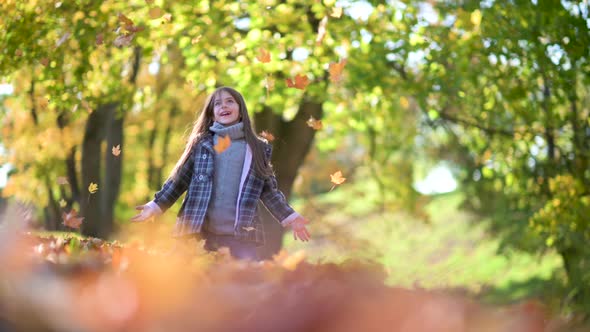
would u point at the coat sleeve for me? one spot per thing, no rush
(274, 200)
(172, 190)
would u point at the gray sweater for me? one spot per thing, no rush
(221, 213)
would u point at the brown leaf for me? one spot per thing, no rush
(125, 20)
(337, 178)
(314, 123)
(99, 39)
(223, 143)
(62, 180)
(335, 70)
(300, 82)
(116, 150)
(263, 55)
(71, 219)
(18, 52)
(267, 135)
(44, 61)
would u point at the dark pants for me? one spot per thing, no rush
(237, 248)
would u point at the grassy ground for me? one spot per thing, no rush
(452, 250)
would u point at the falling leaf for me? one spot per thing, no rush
(404, 102)
(116, 150)
(335, 70)
(263, 55)
(44, 62)
(314, 123)
(167, 17)
(300, 82)
(196, 39)
(239, 46)
(18, 52)
(92, 188)
(267, 135)
(62, 180)
(248, 229)
(71, 219)
(86, 106)
(99, 39)
(156, 13)
(123, 40)
(322, 30)
(336, 12)
(336, 179)
(63, 203)
(125, 20)
(223, 143)
(63, 39)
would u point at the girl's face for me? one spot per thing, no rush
(226, 109)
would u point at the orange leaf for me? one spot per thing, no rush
(337, 178)
(314, 123)
(156, 12)
(322, 30)
(335, 70)
(263, 55)
(300, 82)
(116, 150)
(268, 136)
(71, 219)
(223, 143)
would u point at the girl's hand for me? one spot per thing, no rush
(300, 232)
(147, 212)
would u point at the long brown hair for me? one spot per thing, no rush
(205, 120)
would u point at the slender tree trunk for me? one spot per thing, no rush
(292, 143)
(91, 207)
(113, 169)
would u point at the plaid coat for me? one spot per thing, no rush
(196, 178)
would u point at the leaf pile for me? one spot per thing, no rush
(91, 285)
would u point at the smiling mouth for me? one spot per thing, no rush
(225, 113)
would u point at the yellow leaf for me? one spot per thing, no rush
(63, 203)
(92, 188)
(322, 30)
(337, 178)
(116, 150)
(223, 143)
(336, 12)
(269, 83)
(196, 39)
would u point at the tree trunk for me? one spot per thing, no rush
(292, 143)
(113, 169)
(91, 207)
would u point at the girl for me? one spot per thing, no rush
(223, 188)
